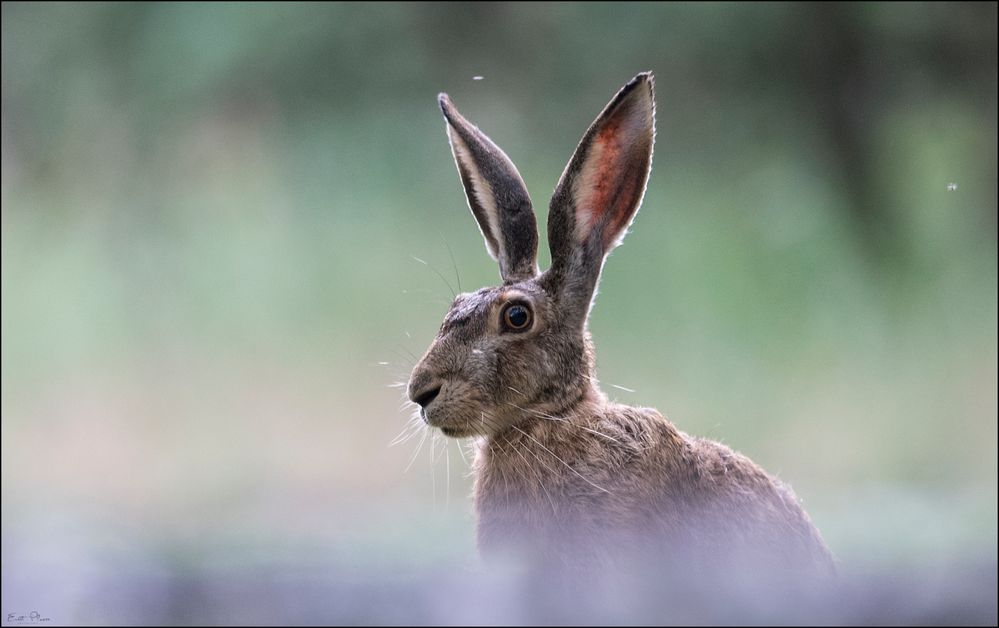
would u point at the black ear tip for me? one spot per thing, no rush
(644, 77)
(444, 101)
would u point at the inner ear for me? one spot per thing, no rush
(614, 172)
(599, 194)
(603, 184)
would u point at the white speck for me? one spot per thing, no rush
(623, 388)
(419, 260)
(478, 78)
(477, 351)
(383, 364)
(407, 335)
(951, 187)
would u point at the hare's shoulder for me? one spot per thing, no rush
(640, 447)
(700, 459)
(694, 467)
(642, 429)
(728, 472)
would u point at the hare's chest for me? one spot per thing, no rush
(540, 510)
(531, 496)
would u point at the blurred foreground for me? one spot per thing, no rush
(133, 584)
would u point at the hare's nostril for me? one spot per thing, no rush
(426, 398)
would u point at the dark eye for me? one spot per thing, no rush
(516, 317)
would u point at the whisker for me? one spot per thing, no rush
(409, 430)
(402, 439)
(472, 445)
(407, 433)
(488, 420)
(410, 353)
(407, 361)
(437, 272)
(425, 302)
(451, 255)
(592, 431)
(461, 452)
(418, 449)
(433, 474)
(538, 413)
(541, 483)
(565, 420)
(567, 465)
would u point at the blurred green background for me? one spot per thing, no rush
(210, 219)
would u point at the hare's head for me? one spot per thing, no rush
(522, 349)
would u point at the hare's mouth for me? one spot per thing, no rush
(452, 431)
(464, 431)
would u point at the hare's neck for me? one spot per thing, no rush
(525, 474)
(542, 436)
(578, 393)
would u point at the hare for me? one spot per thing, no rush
(562, 475)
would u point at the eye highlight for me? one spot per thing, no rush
(516, 317)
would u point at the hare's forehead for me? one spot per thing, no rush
(468, 306)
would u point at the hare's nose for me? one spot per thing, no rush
(427, 397)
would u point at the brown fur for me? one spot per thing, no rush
(608, 484)
(563, 477)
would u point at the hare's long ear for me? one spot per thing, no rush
(599, 194)
(496, 195)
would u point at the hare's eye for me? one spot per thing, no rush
(516, 317)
